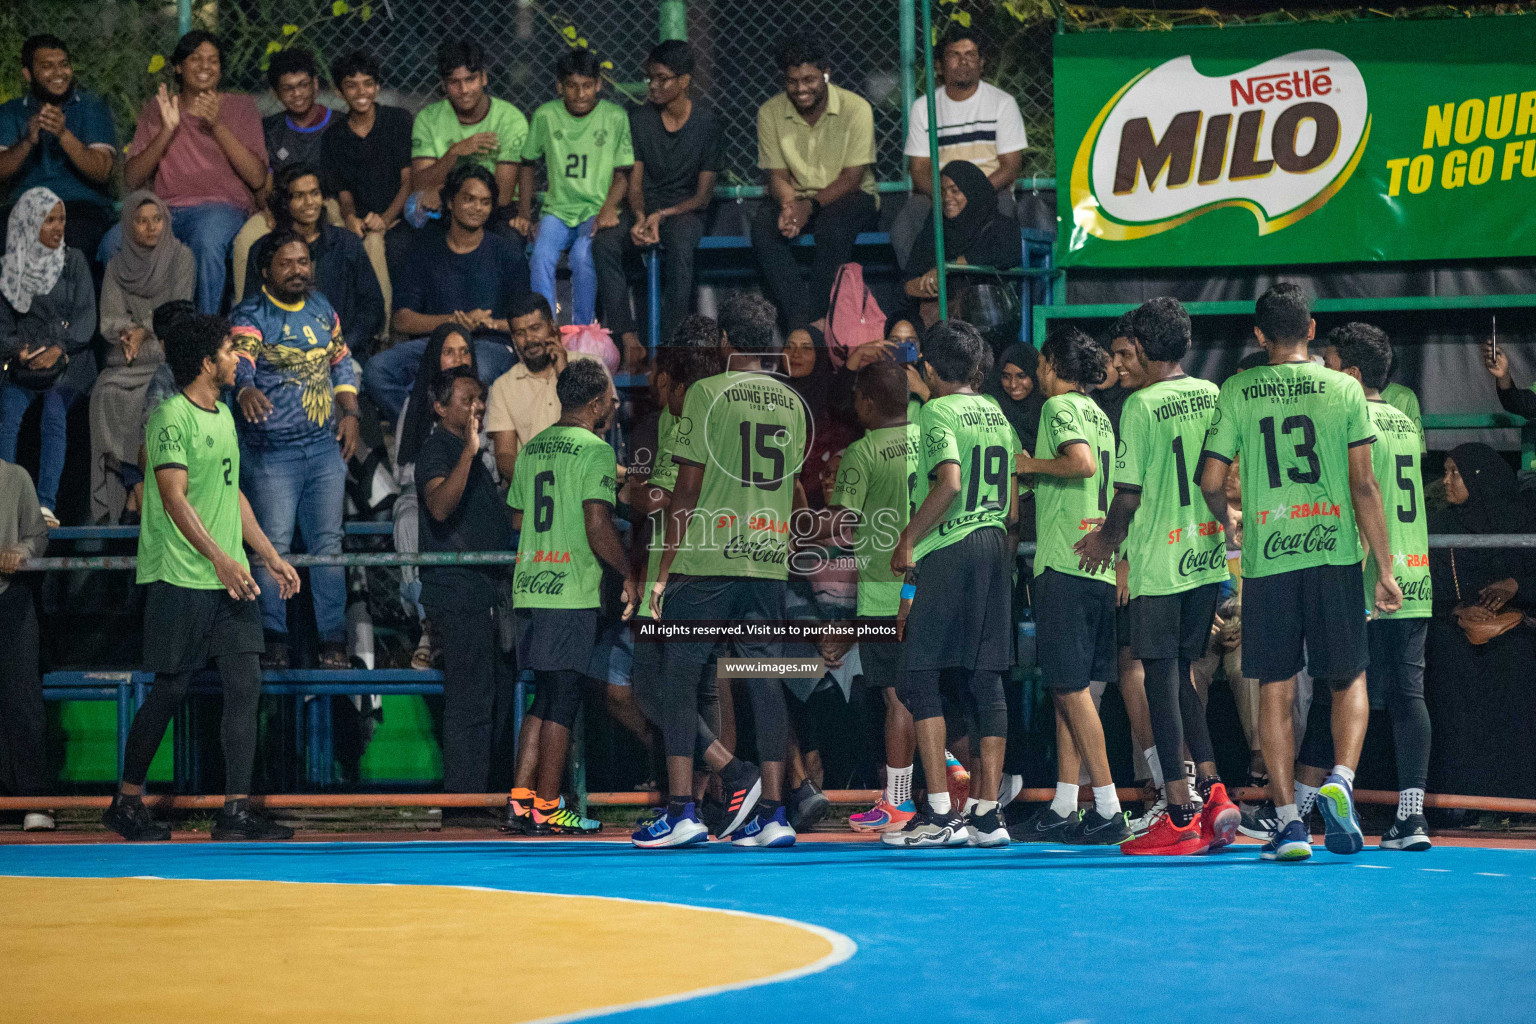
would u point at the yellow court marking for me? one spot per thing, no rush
(150, 950)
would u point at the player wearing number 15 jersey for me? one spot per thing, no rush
(1304, 438)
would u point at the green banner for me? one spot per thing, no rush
(1317, 143)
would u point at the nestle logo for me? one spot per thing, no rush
(1282, 85)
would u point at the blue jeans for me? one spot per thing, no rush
(14, 403)
(389, 375)
(300, 486)
(555, 236)
(208, 230)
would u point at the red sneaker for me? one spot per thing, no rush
(1219, 818)
(1165, 839)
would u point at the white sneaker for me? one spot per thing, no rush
(1009, 791)
(1140, 826)
(38, 821)
(49, 518)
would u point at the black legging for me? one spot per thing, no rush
(1177, 715)
(241, 674)
(647, 694)
(979, 692)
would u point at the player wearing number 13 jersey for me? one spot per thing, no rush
(1304, 438)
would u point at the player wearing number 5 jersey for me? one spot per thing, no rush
(957, 545)
(1304, 438)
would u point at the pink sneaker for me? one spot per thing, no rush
(883, 817)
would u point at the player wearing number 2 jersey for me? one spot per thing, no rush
(1304, 439)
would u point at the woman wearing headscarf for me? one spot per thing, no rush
(828, 396)
(47, 318)
(974, 233)
(152, 268)
(1015, 384)
(1481, 702)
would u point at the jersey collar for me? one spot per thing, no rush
(294, 307)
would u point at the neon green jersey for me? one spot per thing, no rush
(557, 473)
(972, 432)
(748, 432)
(1395, 461)
(1066, 509)
(1405, 401)
(184, 435)
(663, 476)
(1292, 425)
(580, 155)
(1174, 545)
(877, 478)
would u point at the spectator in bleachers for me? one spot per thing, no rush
(817, 143)
(828, 396)
(1520, 401)
(978, 122)
(583, 142)
(23, 535)
(47, 318)
(60, 137)
(677, 158)
(151, 269)
(466, 276)
(293, 369)
(366, 159)
(343, 273)
(523, 400)
(203, 153)
(974, 233)
(1014, 383)
(462, 510)
(162, 385)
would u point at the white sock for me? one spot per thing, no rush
(1305, 797)
(898, 784)
(1105, 801)
(1409, 802)
(938, 802)
(1347, 774)
(1154, 766)
(970, 806)
(1287, 814)
(1065, 801)
(984, 807)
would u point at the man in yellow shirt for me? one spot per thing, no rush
(817, 143)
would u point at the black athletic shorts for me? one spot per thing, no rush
(1313, 617)
(1074, 631)
(1397, 659)
(728, 598)
(962, 616)
(1173, 625)
(555, 639)
(1122, 625)
(882, 661)
(183, 627)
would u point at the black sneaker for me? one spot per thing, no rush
(132, 820)
(1412, 834)
(1044, 826)
(238, 823)
(516, 817)
(986, 830)
(807, 806)
(1093, 829)
(1259, 821)
(927, 830)
(742, 784)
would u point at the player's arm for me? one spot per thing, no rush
(1097, 549)
(608, 216)
(685, 498)
(1213, 485)
(1372, 520)
(946, 486)
(1073, 461)
(603, 539)
(524, 222)
(256, 537)
(172, 482)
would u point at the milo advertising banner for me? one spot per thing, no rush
(1319, 143)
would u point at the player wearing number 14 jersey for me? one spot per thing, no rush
(1304, 437)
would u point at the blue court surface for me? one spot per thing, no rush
(1029, 933)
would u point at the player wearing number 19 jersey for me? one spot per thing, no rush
(1304, 438)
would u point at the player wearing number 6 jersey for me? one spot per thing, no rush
(1304, 437)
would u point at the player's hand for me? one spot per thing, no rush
(170, 109)
(51, 119)
(1122, 587)
(901, 620)
(287, 577)
(606, 218)
(254, 405)
(373, 222)
(1389, 597)
(11, 560)
(346, 433)
(236, 579)
(658, 589)
(207, 105)
(901, 557)
(1094, 552)
(630, 595)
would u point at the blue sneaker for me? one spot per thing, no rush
(1341, 825)
(684, 830)
(1289, 843)
(774, 832)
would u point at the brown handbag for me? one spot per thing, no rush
(1478, 623)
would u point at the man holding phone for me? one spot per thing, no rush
(1520, 401)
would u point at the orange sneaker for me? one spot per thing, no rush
(1219, 818)
(959, 782)
(883, 817)
(1165, 839)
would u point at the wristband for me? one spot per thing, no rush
(347, 413)
(908, 591)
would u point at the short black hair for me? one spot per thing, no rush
(441, 388)
(674, 55)
(1366, 348)
(41, 41)
(955, 350)
(696, 331)
(1121, 328)
(189, 43)
(803, 48)
(687, 364)
(1163, 328)
(188, 341)
(883, 382)
(274, 241)
(959, 34)
(1283, 313)
(288, 62)
(580, 382)
(748, 321)
(1074, 356)
(168, 313)
(358, 62)
(528, 303)
(454, 183)
(460, 53)
(1253, 360)
(282, 191)
(578, 61)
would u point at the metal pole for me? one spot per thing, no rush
(933, 160)
(673, 23)
(908, 46)
(183, 17)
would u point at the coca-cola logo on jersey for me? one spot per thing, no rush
(1322, 537)
(549, 582)
(1415, 590)
(1196, 561)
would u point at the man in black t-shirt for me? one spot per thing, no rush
(677, 157)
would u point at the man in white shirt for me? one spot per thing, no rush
(977, 122)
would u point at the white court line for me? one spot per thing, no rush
(1378, 867)
(1444, 871)
(1490, 874)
